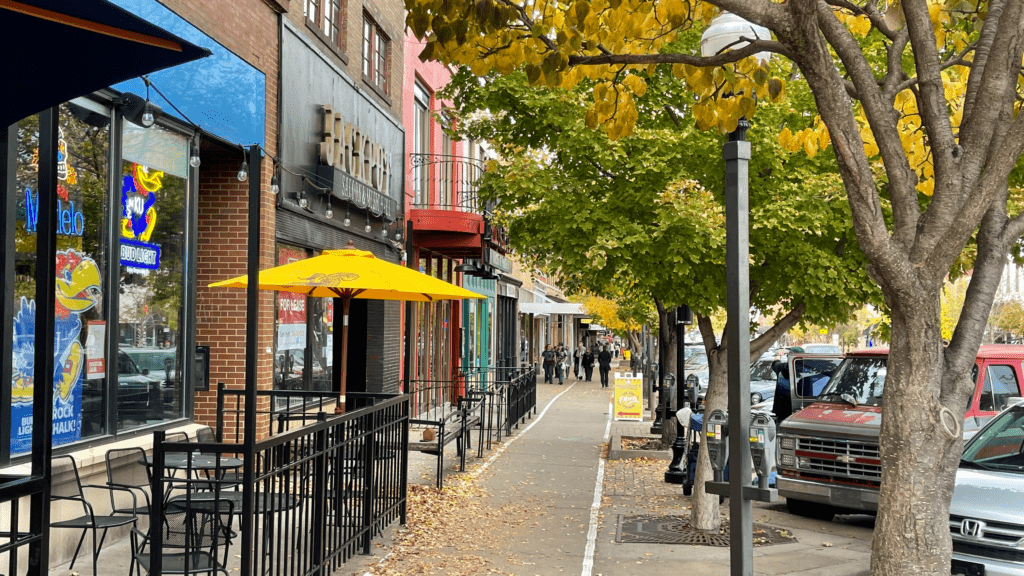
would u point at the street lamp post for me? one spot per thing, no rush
(676, 472)
(725, 31)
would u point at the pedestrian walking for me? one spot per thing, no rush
(549, 363)
(577, 357)
(561, 362)
(604, 362)
(588, 364)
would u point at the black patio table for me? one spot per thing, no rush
(265, 502)
(201, 462)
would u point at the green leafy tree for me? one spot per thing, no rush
(642, 215)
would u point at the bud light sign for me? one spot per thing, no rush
(140, 255)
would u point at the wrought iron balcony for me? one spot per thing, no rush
(446, 182)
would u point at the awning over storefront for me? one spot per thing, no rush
(565, 308)
(83, 46)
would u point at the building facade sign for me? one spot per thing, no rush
(346, 148)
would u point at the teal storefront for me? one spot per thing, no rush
(478, 332)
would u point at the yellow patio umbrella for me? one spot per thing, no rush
(350, 273)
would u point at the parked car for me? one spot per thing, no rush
(828, 455)
(154, 362)
(986, 514)
(762, 381)
(136, 391)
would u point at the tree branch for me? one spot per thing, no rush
(880, 115)
(753, 47)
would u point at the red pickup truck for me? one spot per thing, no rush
(828, 456)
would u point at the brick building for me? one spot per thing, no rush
(156, 210)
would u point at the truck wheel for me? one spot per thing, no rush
(810, 509)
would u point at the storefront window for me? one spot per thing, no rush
(153, 184)
(289, 353)
(79, 375)
(305, 327)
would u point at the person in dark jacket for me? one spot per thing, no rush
(588, 364)
(549, 364)
(604, 362)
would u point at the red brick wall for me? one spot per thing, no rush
(249, 29)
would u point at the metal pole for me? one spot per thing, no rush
(8, 211)
(46, 286)
(251, 355)
(676, 472)
(737, 157)
(410, 310)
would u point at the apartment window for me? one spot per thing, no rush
(421, 145)
(375, 55)
(311, 10)
(326, 17)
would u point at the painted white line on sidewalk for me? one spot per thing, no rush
(512, 440)
(595, 507)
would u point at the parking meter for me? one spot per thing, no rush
(692, 383)
(717, 434)
(762, 446)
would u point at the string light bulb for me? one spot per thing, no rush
(275, 186)
(348, 220)
(193, 159)
(369, 227)
(330, 212)
(303, 203)
(243, 172)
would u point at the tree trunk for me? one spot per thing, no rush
(919, 453)
(705, 514)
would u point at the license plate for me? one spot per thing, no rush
(961, 568)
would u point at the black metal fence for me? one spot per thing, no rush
(306, 500)
(507, 396)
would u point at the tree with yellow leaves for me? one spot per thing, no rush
(917, 99)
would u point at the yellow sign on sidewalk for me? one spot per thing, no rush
(629, 397)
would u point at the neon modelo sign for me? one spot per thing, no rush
(70, 220)
(349, 150)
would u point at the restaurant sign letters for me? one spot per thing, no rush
(346, 148)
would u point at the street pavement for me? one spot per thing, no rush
(560, 501)
(547, 501)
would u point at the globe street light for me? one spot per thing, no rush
(725, 32)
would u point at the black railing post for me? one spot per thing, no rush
(220, 411)
(369, 481)
(406, 406)
(319, 495)
(156, 509)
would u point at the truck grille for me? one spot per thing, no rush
(839, 458)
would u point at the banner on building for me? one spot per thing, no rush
(629, 397)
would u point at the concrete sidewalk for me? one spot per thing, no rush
(549, 502)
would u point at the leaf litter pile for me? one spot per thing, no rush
(446, 530)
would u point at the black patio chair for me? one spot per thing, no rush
(126, 468)
(195, 536)
(89, 520)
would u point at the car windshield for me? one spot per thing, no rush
(858, 381)
(125, 365)
(152, 361)
(762, 371)
(1000, 446)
